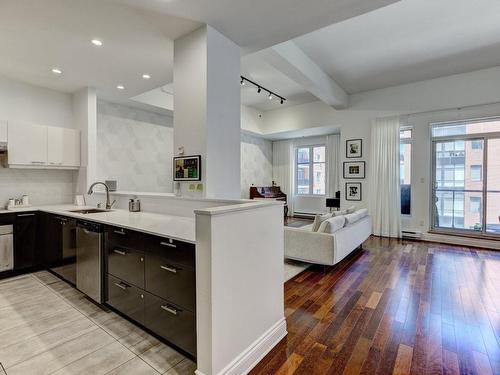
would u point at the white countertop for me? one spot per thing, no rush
(169, 226)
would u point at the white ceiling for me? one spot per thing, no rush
(37, 35)
(257, 24)
(408, 41)
(258, 70)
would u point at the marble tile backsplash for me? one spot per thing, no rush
(42, 186)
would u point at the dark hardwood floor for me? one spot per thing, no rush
(396, 307)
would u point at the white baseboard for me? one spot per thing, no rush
(461, 241)
(252, 355)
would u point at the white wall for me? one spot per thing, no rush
(28, 103)
(135, 148)
(252, 120)
(256, 163)
(33, 104)
(355, 122)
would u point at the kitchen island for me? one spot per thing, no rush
(219, 295)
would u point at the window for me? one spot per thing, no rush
(476, 173)
(466, 176)
(311, 170)
(477, 144)
(475, 205)
(405, 146)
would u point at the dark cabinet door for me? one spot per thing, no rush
(25, 241)
(126, 264)
(167, 320)
(126, 298)
(50, 239)
(175, 283)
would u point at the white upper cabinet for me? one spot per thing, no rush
(63, 147)
(38, 146)
(27, 144)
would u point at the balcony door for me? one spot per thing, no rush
(466, 177)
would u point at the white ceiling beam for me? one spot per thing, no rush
(289, 59)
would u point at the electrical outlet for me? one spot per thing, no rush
(421, 223)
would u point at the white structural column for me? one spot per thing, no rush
(85, 120)
(207, 108)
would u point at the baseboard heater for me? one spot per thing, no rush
(412, 235)
(306, 215)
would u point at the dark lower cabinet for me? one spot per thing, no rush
(173, 282)
(50, 239)
(175, 324)
(126, 264)
(152, 280)
(126, 298)
(25, 240)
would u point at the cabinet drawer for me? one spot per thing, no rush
(126, 298)
(126, 264)
(177, 252)
(126, 238)
(171, 322)
(175, 283)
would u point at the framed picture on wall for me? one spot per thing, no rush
(354, 169)
(354, 148)
(353, 191)
(187, 168)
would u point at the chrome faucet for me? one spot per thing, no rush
(91, 190)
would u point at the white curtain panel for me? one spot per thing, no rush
(283, 170)
(332, 164)
(385, 201)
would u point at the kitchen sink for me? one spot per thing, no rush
(89, 211)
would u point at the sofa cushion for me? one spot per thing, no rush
(332, 224)
(318, 219)
(356, 216)
(350, 210)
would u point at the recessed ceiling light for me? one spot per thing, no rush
(146, 76)
(96, 42)
(120, 87)
(56, 71)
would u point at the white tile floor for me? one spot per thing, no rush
(48, 327)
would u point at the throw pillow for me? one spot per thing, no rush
(318, 219)
(332, 225)
(350, 210)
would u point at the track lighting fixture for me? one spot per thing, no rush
(271, 94)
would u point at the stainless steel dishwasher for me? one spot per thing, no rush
(89, 245)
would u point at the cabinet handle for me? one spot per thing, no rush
(122, 286)
(169, 269)
(168, 244)
(121, 231)
(25, 215)
(170, 309)
(120, 252)
(37, 162)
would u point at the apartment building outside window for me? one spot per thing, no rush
(466, 176)
(310, 170)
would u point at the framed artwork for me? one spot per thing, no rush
(187, 168)
(353, 191)
(354, 169)
(353, 148)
